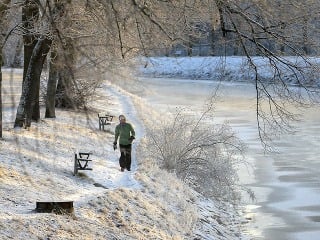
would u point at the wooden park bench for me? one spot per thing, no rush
(81, 160)
(104, 119)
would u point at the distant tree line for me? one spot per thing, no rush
(282, 27)
(214, 33)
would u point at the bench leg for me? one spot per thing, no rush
(75, 170)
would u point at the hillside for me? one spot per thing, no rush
(146, 203)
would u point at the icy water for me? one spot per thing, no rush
(286, 184)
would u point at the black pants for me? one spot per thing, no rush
(125, 158)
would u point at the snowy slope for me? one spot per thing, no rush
(146, 203)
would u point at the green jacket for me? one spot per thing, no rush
(124, 132)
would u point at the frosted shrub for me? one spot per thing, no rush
(201, 153)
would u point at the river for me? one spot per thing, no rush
(286, 184)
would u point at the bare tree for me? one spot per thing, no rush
(39, 30)
(100, 35)
(257, 26)
(3, 36)
(79, 38)
(51, 86)
(273, 30)
(36, 47)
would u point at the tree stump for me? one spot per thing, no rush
(55, 207)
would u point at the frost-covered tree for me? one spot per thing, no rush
(37, 42)
(3, 33)
(90, 37)
(285, 34)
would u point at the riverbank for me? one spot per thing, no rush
(286, 183)
(146, 203)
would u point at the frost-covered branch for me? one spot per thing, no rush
(202, 154)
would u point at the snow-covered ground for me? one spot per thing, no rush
(232, 68)
(146, 203)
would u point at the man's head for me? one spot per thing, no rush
(122, 119)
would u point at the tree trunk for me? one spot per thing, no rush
(35, 52)
(305, 35)
(29, 101)
(65, 90)
(0, 92)
(52, 87)
(18, 55)
(29, 14)
(40, 60)
(3, 9)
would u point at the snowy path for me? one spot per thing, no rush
(107, 175)
(129, 111)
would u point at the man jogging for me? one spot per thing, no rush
(126, 134)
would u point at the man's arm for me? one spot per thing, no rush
(116, 134)
(133, 133)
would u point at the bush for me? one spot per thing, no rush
(201, 153)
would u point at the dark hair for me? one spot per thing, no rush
(122, 116)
